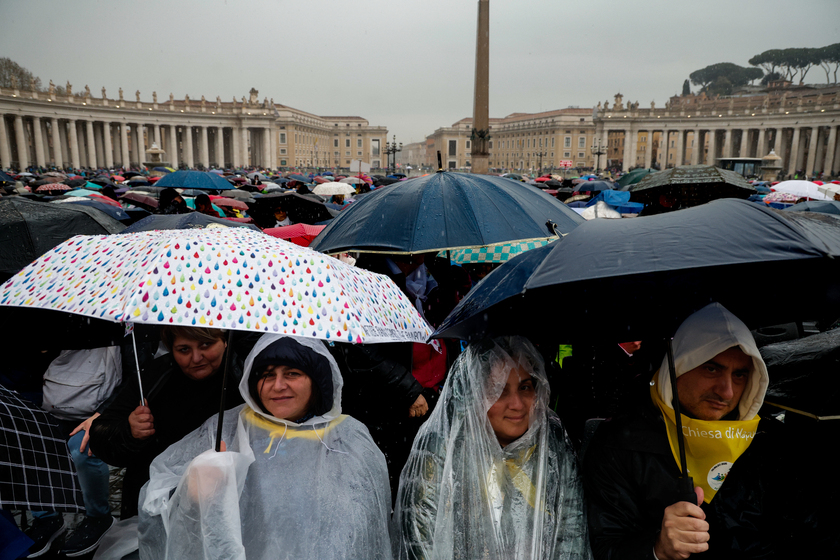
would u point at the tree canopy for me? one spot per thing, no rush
(793, 64)
(9, 69)
(726, 75)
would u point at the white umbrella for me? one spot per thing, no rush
(352, 180)
(802, 189)
(829, 190)
(332, 188)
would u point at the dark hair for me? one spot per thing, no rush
(202, 200)
(169, 333)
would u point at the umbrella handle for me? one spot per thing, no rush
(228, 358)
(137, 365)
(685, 484)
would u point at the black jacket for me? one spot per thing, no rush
(179, 406)
(767, 507)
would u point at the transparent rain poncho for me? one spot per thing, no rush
(462, 495)
(281, 490)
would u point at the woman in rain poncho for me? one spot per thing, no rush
(491, 474)
(298, 480)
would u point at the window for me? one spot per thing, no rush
(347, 144)
(282, 137)
(359, 154)
(359, 143)
(552, 142)
(672, 143)
(491, 144)
(453, 150)
(581, 141)
(581, 155)
(374, 147)
(567, 142)
(336, 154)
(540, 142)
(347, 153)
(335, 143)
(375, 164)
(468, 144)
(567, 154)
(283, 151)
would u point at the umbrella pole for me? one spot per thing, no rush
(137, 365)
(685, 484)
(228, 358)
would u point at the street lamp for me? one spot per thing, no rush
(598, 149)
(391, 149)
(541, 154)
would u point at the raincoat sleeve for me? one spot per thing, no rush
(190, 506)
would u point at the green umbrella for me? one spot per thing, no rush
(634, 177)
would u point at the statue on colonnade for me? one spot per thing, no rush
(52, 89)
(121, 95)
(137, 94)
(154, 97)
(68, 89)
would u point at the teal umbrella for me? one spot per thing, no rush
(194, 180)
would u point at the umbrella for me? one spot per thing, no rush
(446, 211)
(141, 200)
(823, 206)
(780, 197)
(28, 229)
(4, 178)
(229, 203)
(679, 262)
(193, 220)
(164, 169)
(216, 277)
(132, 174)
(194, 180)
(594, 186)
(494, 254)
(300, 208)
(260, 176)
(299, 234)
(687, 186)
(332, 188)
(116, 213)
(118, 178)
(801, 189)
(36, 472)
(352, 181)
(299, 178)
(53, 187)
(633, 177)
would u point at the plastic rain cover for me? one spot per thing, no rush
(282, 490)
(462, 495)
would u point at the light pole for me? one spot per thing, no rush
(598, 149)
(391, 149)
(541, 154)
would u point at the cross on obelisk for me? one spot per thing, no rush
(481, 108)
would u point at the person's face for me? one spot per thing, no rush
(280, 214)
(198, 360)
(285, 392)
(510, 414)
(714, 389)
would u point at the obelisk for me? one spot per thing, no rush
(481, 108)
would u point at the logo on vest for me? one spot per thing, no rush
(717, 474)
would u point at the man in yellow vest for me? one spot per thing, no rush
(750, 503)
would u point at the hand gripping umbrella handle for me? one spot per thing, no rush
(685, 484)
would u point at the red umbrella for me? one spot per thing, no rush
(52, 187)
(152, 179)
(138, 199)
(117, 177)
(104, 200)
(320, 180)
(228, 202)
(299, 234)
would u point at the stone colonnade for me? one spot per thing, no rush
(811, 147)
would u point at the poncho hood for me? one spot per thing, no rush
(704, 335)
(306, 345)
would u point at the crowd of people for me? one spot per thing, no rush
(428, 451)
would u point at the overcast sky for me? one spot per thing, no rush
(404, 64)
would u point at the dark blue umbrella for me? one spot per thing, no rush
(594, 186)
(299, 178)
(446, 211)
(194, 180)
(6, 178)
(193, 220)
(640, 278)
(822, 206)
(113, 211)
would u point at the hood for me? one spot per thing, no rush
(310, 344)
(704, 335)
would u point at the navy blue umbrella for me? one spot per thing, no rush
(594, 186)
(113, 211)
(194, 180)
(446, 211)
(193, 220)
(638, 278)
(6, 178)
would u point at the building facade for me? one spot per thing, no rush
(64, 130)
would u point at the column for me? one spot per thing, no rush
(648, 149)
(220, 147)
(745, 136)
(812, 151)
(625, 165)
(761, 143)
(20, 139)
(138, 145)
(272, 159)
(45, 137)
(266, 141)
(236, 153)
(65, 146)
(727, 143)
(108, 148)
(56, 141)
(205, 148)
(38, 140)
(172, 149)
(5, 152)
(124, 145)
(794, 152)
(828, 165)
(99, 152)
(244, 146)
(189, 156)
(680, 157)
(157, 136)
(697, 148)
(74, 145)
(90, 145)
(710, 158)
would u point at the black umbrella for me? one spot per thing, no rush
(36, 471)
(192, 220)
(300, 208)
(687, 186)
(29, 229)
(823, 206)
